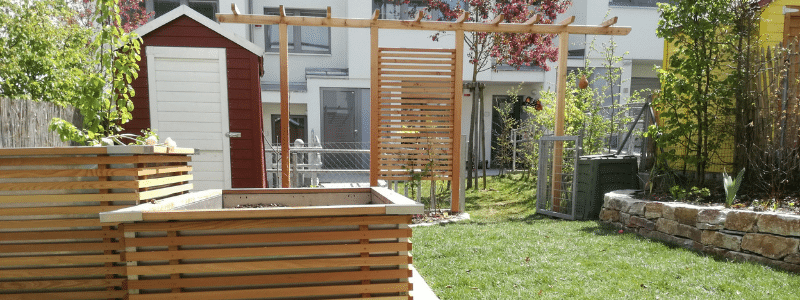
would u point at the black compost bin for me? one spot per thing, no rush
(598, 175)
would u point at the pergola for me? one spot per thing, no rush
(415, 126)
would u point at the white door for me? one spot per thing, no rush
(189, 103)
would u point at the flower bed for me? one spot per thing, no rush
(768, 238)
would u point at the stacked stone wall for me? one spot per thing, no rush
(762, 237)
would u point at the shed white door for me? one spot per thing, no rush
(189, 103)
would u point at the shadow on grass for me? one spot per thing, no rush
(601, 229)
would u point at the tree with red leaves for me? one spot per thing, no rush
(132, 13)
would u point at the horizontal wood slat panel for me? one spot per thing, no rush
(58, 247)
(58, 210)
(58, 260)
(57, 223)
(385, 67)
(383, 50)
(266, 223)
(268, 279)
(404, 100)
(58, 284)
(417, 73)
(267, 238)
(162, 192)
(68, 295)
(267, 251)
(69, 198)
(283, 292)
(269, 265)
(73, 185)
(100, 160)
(59, 272)
(416, 61)
(58, 235)
(92, 172)
(259, 213)
(163, 180)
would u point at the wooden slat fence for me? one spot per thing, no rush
(24, 123)
(52, 244)
(416, 119)
(342, 257)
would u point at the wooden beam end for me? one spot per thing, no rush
(235, 9)
(419, 16)
(533, 20)
(328, 13)
(376, 14)
(463, 17)
(609, 22)
(497, 19)
(282, 11)
(567, 21)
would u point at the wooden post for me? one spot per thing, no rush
(374, 166)
(561, 86)
(284, 58)
(458, 91)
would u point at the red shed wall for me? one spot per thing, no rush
(244, 95)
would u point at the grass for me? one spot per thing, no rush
(507, 252)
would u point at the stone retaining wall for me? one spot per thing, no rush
(762, 237)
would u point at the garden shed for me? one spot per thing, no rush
(199, 84)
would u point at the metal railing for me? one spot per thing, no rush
(317, 164)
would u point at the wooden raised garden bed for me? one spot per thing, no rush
(52, 244)
(305, 243)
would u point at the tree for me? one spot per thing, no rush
(132, 13)
(104, 98)
(697, 89)
(520, 49)
(42, 52)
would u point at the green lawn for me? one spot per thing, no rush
(507, 252)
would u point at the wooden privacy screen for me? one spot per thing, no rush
(416, 102)
(309, 257)
(52, 245)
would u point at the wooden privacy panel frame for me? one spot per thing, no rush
(416, 113)
(52, 244)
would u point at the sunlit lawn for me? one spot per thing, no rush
(506, 252)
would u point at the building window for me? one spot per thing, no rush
(302, 39)
(207, 8)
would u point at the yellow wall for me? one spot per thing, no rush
(772, 21)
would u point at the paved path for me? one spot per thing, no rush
(421, 289)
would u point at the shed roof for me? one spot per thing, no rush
(184, 10)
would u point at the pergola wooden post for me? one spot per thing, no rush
(563, 29)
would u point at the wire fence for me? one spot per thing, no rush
(316, 164)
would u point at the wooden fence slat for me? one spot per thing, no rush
(283, 292)
(67, 295)
(69, 198)
(104, 160)
(268, 265)
(271, 213)
(60, 272)
(268, 279)
(266, 223)
(67, 185)
(57, 223)
(58, 247)
(58, 284)
(266, 251)
(267, 238)
(53, 260)
(57, 235)
(58, 210)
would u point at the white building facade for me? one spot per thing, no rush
(329, 68)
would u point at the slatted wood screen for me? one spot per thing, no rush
(312, 257)
(52, 245)
(416, 118)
